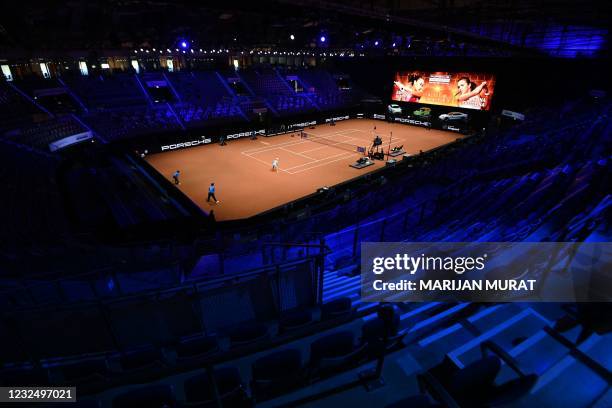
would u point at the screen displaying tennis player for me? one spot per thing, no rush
(462, 89)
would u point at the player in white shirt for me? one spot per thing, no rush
(275, 164)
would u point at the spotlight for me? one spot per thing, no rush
(292, 37)
(323, 39)
(393, 45)
(376, 43)
(184, 44)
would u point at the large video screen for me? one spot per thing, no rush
(458, 89)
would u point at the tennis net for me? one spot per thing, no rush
(329, 141)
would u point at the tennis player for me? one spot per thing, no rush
(211, 193)
(275, 164)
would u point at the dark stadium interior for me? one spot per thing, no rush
(462, 122)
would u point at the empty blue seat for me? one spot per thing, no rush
(277, 373)
(199, 391)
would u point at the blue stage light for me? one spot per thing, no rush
(184, 44)
(323, 39)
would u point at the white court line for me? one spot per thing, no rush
(322, 164)
(293, 142)
(252, 154)
(350, 141)
(319, 160)
(324, 161)
(266, 143)
(335, 133)
(297, 153)
(272, 146)
(266, 163)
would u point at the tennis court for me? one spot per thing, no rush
(242, 170)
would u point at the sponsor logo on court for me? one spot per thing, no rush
(337, 118)
(246, 134)
(186, 144)
(412, 121)
(302, 124)
(377, 116)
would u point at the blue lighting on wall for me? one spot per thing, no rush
(565, 41)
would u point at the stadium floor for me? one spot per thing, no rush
(242, 171)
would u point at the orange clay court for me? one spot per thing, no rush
(242, 171)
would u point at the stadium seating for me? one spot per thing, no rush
(117, 124)
(554, 192)
(15, 109)
(107, 91)
(324, 90)
(29, 179)
(230, 389)
(120, 105)
(153, 396)
(276, 373)
(268, 83)
(40, 135)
